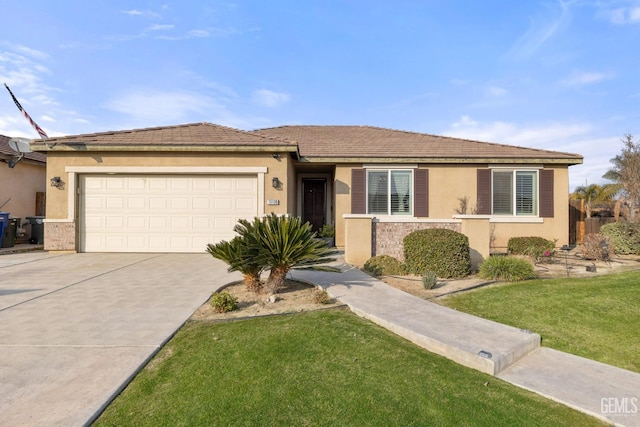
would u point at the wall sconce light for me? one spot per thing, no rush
(57, 182)
(275, 182)
(276, 156)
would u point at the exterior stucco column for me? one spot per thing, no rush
(478, 230)
(357, 245)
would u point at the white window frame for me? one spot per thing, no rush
(514, 190)
(389, 171)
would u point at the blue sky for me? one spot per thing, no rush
(561, 75)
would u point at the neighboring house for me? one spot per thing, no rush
(177, 188)
(22, 187)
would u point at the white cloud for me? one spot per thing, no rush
(269, 98)
(144, 13)
(570, 137)
(198, 34)
(582, 78)
(622, 15)
(496, 91)
(36, 54)
(165, 107)
(541, 29)
(159, 27)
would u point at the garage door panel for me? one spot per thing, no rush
(115, 184)
(162, 213)
(136, 203)
(179, 203)
(248, 186)
(201, 203)
(94, 202)
(158, 183)
(158, 203)
(115, 223)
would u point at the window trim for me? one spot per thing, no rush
(513, 197)
(389, 171)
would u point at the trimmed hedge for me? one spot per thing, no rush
(535, 247)
(625, 237)
(446, 252)
(385, 265)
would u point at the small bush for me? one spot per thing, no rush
(223, 302)
(508, 268)
(327, 230)
(320, 296)
(429, 279)
(597, 246)
(446, 252)
(534, 247)
(625, 237)
(385, 265)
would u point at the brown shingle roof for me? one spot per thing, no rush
(367, 142)
(194, 134)
(6, 152)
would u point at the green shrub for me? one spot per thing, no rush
(508, 268)
(429, 279)
(625, 237)
(223, 302)
(534, 247)
(385, 265)
(446, 252)
(597, 246)
(327, 230)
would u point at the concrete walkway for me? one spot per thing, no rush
(76, 328)
(608, 393)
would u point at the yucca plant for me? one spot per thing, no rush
(241, 254)
(285, 243)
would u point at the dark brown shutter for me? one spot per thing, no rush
(484, 192)
(358, 191)
(546, 193)
(421, 192)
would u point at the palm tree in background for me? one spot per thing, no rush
(594, 195)
(625, 173)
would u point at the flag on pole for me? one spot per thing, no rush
(38, 129)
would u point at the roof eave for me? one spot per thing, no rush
(166, 148)
(445, 160)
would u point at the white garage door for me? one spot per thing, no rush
(162, 213)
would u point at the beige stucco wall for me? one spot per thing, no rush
(57, 199)
(342, 202)
(357, 237)
(21, 184)
(449, 183)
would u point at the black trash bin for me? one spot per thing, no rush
(37, 229)
(9, 233)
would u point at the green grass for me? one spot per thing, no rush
(596, 317)
(326, 367)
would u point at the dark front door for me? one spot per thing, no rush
(313, 201)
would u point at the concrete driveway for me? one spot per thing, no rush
(74, 328)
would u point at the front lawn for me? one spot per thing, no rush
(596, 317)
(325, 367)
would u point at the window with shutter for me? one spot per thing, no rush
(421, 192)
(358, 191)
(514, 192)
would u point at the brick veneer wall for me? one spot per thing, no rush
(60, 236)
(388, 236)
